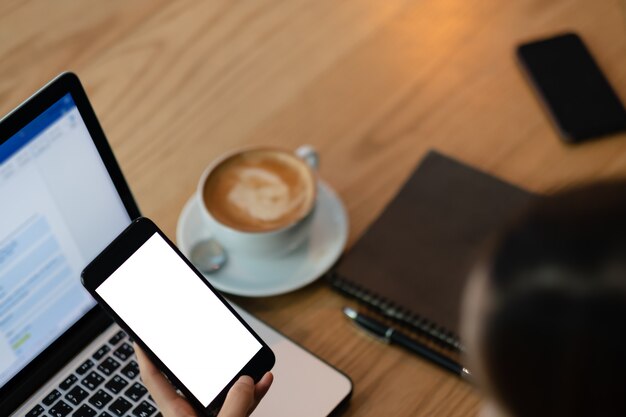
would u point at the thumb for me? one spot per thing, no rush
(240, 398)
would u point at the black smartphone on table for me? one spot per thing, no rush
(577, 95)
(181, 322)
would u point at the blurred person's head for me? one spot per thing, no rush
(545, 311)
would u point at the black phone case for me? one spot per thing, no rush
(99, 270)
(578, 112)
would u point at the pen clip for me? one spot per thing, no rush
(382, 339)
(386, 338)
(370, 331)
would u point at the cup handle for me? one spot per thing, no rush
(309, 155)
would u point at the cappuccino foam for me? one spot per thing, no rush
(259, 190)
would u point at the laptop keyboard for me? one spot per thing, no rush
(105, 385)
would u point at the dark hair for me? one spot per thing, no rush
(554, 340)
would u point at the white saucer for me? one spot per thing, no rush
(260, 277)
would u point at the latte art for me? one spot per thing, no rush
(259, 190)
(263, 195)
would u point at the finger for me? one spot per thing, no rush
(240, 398)
(160, 388)
(261, 389)
(263, 386)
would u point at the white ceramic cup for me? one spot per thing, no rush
(275, 242)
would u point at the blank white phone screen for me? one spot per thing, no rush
(179, 318)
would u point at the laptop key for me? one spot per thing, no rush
(104, 414)
(100, 399)
(82, 369)
(92, 381)
(144, 409)
(131, 370)
(76, 395)
(104, 349)
(120, 406)
(116, 384)
(50, 398)
(35, 411)
(60, 409)
(108, 366)
(117, 337)
(136, 391)
(85, 411)
(124, 352)
(69, 381)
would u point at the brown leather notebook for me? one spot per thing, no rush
(412, 263)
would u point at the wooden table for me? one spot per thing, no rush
(372, 84)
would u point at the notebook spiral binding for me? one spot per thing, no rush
(402, 316)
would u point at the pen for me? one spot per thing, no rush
(395, 336)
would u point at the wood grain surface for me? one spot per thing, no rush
(372, 84)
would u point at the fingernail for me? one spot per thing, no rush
(245, 379)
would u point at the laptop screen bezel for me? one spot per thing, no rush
(71, 342)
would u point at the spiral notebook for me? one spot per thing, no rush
(412, 263)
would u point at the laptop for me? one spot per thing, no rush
(63, 198)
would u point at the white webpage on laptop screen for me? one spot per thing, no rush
(59, 209)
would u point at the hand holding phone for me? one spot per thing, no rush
(241, 400)
(182, 324)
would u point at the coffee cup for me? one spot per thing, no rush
(260, 201)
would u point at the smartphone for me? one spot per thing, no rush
(181, 322)
(577, 95)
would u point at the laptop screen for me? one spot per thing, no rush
(59, 209)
